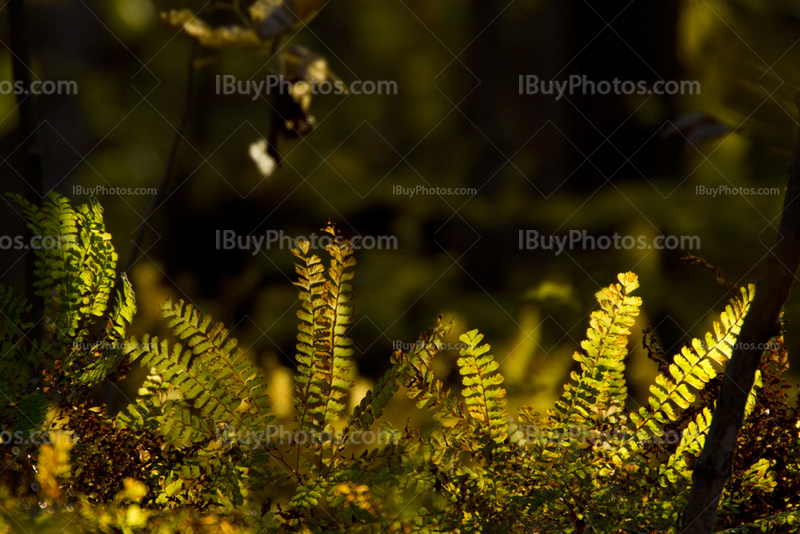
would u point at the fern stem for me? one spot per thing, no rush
(334, 298)
(166, 178)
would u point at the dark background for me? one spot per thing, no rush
(600, 163)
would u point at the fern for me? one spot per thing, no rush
(76, 257)
(601, 385)
(75, 274)
(193, 396)
(335, 320)
(213, 374)
(485, 401)
(692, 441)
(324, 358)
(371, 407)
(13, 308)
(469, 471)
(692, 368)
(312, 283)
(428, 391)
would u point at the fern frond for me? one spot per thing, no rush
(99, 260)
(600, 387)
(124, 310)
(310, 382)
(308, 496)
(12, 310)
(371, 406)
(759, 477)
(223, 369)
(55, 269)
(101, 362)
(693, 439)
(335, 319)
(214, 374)
(75, 271)
(485, 401)
(162, 406)
(29, 413)
(417, 376)
(75, 266)
(692, 368)
(692, 442)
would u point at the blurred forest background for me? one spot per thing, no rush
(603, 164)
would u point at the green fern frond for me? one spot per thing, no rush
(692, 368)
(309, 495)
(371, 406)
(75, 272)
(335, 319)
(107, 357)
(162, 405)
(600, 387)
(693, 439)
(195, 398)
(485, 401)
(750, 405)
(29, 413)
(99, 259)
(417, 376)
(310, 382)
(75, 266)
(124, 310)
(219, 361)
(12, 310)
(214, 375)
(55, 269)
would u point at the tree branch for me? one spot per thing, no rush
(713, 468)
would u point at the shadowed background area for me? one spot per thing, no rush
(627, 164)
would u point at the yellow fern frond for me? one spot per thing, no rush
(692, 368)
(600, 387)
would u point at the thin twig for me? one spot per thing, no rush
(166, 179)
(275, 120)
(714, 466)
